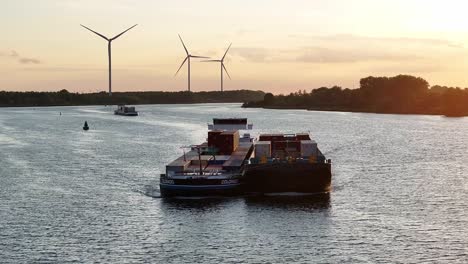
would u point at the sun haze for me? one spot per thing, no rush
(278, 46)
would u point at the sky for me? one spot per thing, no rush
(277, 46)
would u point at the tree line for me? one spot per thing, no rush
(65, 98)
(401, 94)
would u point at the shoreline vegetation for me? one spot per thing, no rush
(401, 94)
(65, 98)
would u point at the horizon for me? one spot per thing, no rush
(278, 47)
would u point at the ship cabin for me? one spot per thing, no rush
(230, 124)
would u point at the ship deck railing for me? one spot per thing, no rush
(320, 159)
(196, 174)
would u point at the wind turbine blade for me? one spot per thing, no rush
(201, 57)
(224, 67)
(102, 36)
(226, 52)
(181, 66)
(123, 32)
(185, 48)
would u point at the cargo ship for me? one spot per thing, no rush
(287, 163)
(215, 167)
(126, 111)
(228, 164)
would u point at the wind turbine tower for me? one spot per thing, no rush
(187, 59)
(222, 67)
(109, 42)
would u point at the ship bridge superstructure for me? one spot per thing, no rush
(230, 124)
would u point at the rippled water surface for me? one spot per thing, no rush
(400, 190)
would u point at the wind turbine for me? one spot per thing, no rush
(109, 41)
(188, 61)
(221, 61)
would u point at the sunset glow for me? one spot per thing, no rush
(278, 46)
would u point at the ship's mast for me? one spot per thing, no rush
(199, 159)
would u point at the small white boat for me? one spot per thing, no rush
(126, 110)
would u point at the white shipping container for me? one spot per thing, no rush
(309, 148)
(263, 149)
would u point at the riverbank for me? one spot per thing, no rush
(402, 94)
(355, 111)
(65, 98)
(340, 109)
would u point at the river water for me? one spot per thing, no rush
(400, 190)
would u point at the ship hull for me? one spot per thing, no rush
(199, 187)
(288, 177)
(126, 114)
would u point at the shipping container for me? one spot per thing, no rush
(229, 121)
(302, 136)
(225, 142)
(283, 145)
(263, 149)
(309, 148)
(212, 137)
(271, 137)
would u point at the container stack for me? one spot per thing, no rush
(225, 142)
(286, 145)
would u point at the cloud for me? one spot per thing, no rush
(245, 32)
(369, 40)
(12, 54)
(92, 68)
(68, 69)
(29, 61)
(346, 48)
(334, 55)
(20, 59)
(320, 54)
(252, 54)
(410, 68)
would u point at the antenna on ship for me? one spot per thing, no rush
(183, 149)
(109, 41)
(223, 68)
(187, 58)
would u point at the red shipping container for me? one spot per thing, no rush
(302, 136)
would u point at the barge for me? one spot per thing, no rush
(287, 163)
(215, 167)
(228, 164)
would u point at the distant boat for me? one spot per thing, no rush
(85, 127)
(126, 111)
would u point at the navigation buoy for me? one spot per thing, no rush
(85, 127)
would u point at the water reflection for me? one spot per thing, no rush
(291, 202)
(197, 203)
